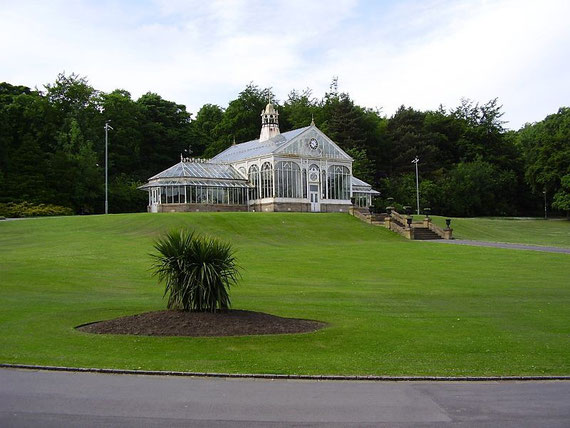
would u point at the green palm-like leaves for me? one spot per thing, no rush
(197, 271)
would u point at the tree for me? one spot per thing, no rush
(166, 131)
(546, 149)
(206, 127)
(561, 200)
(125, 195)
(298, 110)
(484, 134)
(125, 140)
(362, 166)
(72, 172)
(341, 119)
(197, 271)
(73, 99)
(404, 131)
(241, 120)
(479, 188)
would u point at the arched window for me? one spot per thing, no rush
(242, 171)
(288, 179)
(338, 182)
(253, 177)
(266, 180)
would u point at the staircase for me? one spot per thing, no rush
(418, 230)
(424, 234)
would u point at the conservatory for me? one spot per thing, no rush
(298, 170)
(197, 185)
(362, 193)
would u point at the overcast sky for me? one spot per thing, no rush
(385, 53)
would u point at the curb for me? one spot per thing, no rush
(285, 376)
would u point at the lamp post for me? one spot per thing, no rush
(545, 214)
(107, 127)
(416, 160)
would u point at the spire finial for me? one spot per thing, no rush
(234, 142)
(312, 120)
(181, 158)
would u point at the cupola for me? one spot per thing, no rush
(269, 123)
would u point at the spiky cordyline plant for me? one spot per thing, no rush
(197, 271)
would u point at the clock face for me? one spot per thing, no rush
(313, 144)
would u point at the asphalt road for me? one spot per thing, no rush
(55, 399)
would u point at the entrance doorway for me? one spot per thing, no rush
(154, 199)
(314, 195)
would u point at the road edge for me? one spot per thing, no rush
(285, 376)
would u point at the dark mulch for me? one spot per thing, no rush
(179, 323)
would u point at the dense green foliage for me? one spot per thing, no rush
(394, 307)
(52, 147)
(197, 271)
(26, 209)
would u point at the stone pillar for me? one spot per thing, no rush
(448, 233)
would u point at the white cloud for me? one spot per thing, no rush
(499, 49)
(418, 53)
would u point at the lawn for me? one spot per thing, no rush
(533, 231)
(394, 307)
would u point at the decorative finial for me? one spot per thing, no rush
(312, 120)
(234, 142)
(181, 158)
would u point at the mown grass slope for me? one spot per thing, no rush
(394, 307)
(533, 231)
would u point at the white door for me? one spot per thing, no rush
(155, 197)
(314, 195)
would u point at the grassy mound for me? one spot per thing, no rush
(393, 307)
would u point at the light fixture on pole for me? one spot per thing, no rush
(416, 160)
(107, 127)
(545, 214)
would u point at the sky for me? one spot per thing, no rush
(418, 53)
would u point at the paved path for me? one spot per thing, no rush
(502, 245)
(39, 398)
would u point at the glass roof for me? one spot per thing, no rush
(359, 186)
(199, 170)
(197, 182)
(255, 148)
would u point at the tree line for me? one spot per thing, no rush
(52, 147)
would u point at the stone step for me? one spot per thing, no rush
(422, 234)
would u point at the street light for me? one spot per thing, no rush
(107, 127)
(545, 215)
(416, 160)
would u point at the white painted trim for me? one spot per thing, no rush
(279, 150)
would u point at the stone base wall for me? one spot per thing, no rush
(298, 207)
(281, 207)
(266, 207)
(335, 208)
(185, 208)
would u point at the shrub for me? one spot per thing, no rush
(197, 271)
(27, 209)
